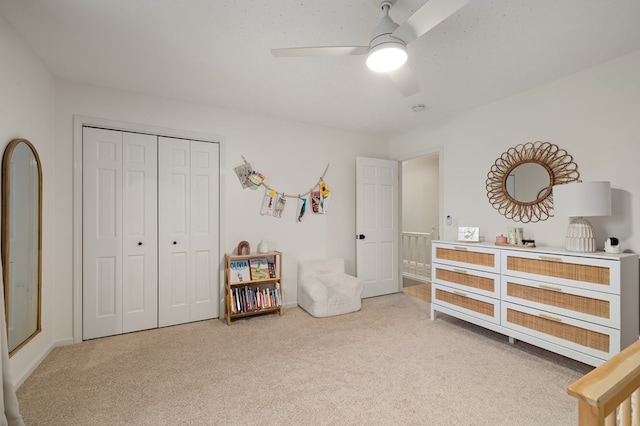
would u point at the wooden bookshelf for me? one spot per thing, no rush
(256, 291)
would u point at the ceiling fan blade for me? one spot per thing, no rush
(405, 80)
(427, 17)
(320, 51)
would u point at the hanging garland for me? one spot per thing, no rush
(274, 202)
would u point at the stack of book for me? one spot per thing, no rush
(252, 299)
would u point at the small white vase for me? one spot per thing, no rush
(263, 246)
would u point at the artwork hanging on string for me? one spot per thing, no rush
(320, 200)
(274, 202)
(268, 203)
(281, 201)
(243, 173)
(302, 208)
(255, 179)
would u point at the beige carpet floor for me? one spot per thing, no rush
(387, 364)
(420, 291)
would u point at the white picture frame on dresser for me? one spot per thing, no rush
(581, 305)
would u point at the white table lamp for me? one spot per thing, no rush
(579, 199)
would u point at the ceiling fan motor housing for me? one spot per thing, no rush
(386, 26)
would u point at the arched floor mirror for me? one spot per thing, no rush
(21, 242)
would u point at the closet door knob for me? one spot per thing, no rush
(175, 242)
(139, 243)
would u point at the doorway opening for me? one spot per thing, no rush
(420, 219)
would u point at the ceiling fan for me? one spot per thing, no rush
(387, 50)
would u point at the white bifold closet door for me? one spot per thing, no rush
(150, 231)
(188, 230)
(120, 252)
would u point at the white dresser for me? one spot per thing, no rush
(582, 305)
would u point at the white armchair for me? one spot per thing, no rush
(324, 289)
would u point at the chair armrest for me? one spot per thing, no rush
(350, 280)
(312, 286)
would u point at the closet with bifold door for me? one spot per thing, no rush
(150, 231)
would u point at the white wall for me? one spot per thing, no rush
(420, 194)
(27, 111)
(593, 114)
(292, 156)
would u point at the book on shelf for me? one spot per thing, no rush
(245, 303)
(239, 271)
(272, 269)
(236, 300)
(247, 299)
(259, 268)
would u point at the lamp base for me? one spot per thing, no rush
(580, 236)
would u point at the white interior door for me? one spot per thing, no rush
(120, 253)
(174, 200)
(150, 231)
(140, 232)
(377, 225)
(101, 232)
(205, 232)
(188, 175)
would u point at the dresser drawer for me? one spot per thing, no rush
(467, 256)
(464, 279)
(583, 272)
(587, 305)
(482, 307)
(592, 339)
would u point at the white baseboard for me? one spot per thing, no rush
(18, 381)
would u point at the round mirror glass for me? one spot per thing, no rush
(528, 182)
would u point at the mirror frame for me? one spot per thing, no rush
(6, 193)
(557, 162)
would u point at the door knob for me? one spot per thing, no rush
(175, 242)
(139, 243)
(361, 237)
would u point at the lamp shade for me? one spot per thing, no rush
(582, 199)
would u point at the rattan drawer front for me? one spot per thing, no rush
(583, 272)
(600, 308)
(585, 337)
(467, 256)
(473, 304)
(479, 282)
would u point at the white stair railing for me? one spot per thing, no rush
(416, 255)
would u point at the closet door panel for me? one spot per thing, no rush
(134, 266)
(140, 225)
(173, 230)
(177, 281)
(204, 229)
(102, 232)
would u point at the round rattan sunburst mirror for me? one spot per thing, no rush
(556, 162)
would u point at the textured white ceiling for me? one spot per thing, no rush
(218, 53)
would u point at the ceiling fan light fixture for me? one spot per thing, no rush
(387, 57)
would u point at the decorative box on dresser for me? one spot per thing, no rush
(581, 305)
